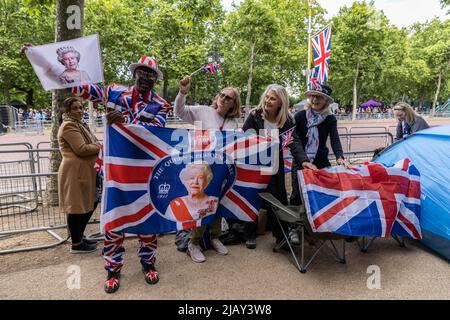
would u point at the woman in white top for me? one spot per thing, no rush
(222, 115)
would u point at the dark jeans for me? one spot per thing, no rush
(77, 224)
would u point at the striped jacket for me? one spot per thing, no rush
(151, 109)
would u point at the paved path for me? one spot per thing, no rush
(406, 273)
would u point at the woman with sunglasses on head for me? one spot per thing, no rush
(222, 115)
(272, 117)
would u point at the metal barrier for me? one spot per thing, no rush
(31, 127)
(389, 137)
(23, 184)
(23, 203)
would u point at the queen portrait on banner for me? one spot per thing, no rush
(190, 209)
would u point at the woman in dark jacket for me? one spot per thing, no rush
(313, 127)
(272, 113)
(408, 120)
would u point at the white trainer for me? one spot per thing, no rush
(195, 252)
(219, 247)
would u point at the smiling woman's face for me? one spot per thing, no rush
(272, 103)
(196, 181)
(70, 61)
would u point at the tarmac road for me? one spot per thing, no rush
(405, 273)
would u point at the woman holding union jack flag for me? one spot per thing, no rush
(272, 117)
(222, 115)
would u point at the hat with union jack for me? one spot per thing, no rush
(147, 62)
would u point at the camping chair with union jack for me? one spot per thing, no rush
(296, 217)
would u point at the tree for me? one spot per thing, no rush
(17, 77)
(69, 25)
(430, 42)
(359, 45)
(252, 38)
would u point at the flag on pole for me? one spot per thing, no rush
(321, 46)
(211, 67)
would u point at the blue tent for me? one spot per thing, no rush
(429, 151)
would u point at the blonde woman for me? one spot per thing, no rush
(408, 120)
(270, 114)
(222, 115)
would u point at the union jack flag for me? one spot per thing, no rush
(367, 200)
(211, 67)
(286, 136)
(287, 159)
(143, 190)
(321, 45)
(313, 83)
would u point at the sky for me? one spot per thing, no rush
(401, 13)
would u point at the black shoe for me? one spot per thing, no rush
(89, 241)
(83, 248)
(112, 282)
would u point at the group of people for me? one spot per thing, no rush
(78, 180)
(34, 114)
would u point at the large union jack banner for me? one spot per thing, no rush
(367, 200)
(321, 47)
(158, 180)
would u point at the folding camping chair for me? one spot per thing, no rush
(364, 244)
(296, 217)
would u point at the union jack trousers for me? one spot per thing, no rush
(113, 250)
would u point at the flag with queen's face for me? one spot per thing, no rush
(159, 180)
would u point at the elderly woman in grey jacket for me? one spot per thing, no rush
(408, 120)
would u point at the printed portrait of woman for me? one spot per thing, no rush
(196, 204)
(70, 58)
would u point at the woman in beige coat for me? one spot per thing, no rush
(76, 176)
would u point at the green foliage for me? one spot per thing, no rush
(392, 63)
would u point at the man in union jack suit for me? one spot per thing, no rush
(136, 104)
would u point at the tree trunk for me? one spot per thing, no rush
(30, 97)
(250, 74)
(165, 87)
(6, 89)
(355, 92)
(69, 25)
(436, 95)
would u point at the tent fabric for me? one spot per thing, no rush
(371, 103)
(429, 151)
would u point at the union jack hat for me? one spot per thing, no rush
(148, 62)
(322, 90)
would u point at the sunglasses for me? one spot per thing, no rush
(147, 75)
(225, 97)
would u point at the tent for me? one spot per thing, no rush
(429, 151)
(300, 105)
(371, 103)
